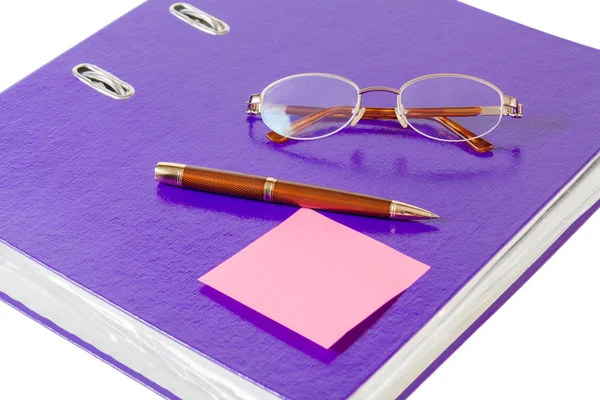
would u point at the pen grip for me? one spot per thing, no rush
(322, 198)
(223, 182)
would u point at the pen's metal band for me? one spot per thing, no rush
(396, 210)
(268, 189)
(392, 209)
(180, 176)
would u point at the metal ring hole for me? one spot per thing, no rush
(103, 81)
(199, 19)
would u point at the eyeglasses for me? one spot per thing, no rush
(445, 107)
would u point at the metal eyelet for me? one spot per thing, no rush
(103, 81)
(199, 19)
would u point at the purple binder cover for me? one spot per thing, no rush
(77, 190)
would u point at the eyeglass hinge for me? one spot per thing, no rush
(512, 108)
(253, 105)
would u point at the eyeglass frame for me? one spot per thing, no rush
(510, 107)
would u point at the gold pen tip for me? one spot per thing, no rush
(169, 173)
(399, 210)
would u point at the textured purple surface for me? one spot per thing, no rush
(77, 191)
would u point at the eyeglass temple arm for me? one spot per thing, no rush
(435, 114)
(440, 115)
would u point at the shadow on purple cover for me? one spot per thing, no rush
(252, 209)
(257, 130)
(242, 208)
(290, 337)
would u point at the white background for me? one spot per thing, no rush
(543, 344)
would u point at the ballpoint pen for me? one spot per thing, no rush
(285, 192)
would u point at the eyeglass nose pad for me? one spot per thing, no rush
(401, 117)
(358, 116)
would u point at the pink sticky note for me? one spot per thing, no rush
(315, 276)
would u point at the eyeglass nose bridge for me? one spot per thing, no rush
(360, 110)
(378, 89)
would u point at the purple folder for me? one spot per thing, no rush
(94, 249)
